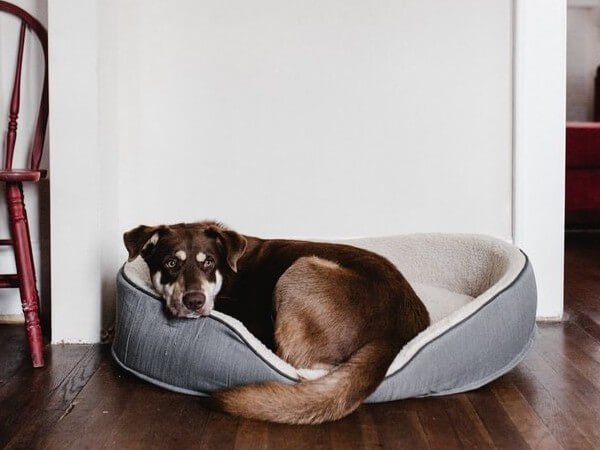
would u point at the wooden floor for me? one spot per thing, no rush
(551, 400)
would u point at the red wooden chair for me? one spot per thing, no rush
(13, 180)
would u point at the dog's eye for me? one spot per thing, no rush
(171, 263)
(209, 262)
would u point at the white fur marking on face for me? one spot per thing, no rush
(165, 290)
(153, 240)
(168, 292)
(156, 282)
(201, 257)
(181, 255)
(210, 291)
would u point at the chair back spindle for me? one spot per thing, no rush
(15, 102)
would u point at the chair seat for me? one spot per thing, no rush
(22, 175)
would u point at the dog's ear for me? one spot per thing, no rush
(139, 239)
(234, 244)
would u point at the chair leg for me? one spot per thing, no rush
(19, 230)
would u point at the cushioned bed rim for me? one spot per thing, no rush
(156, 382)
(469, 387)
(475, 385)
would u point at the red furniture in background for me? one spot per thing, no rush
(582, 203)
(13, 180)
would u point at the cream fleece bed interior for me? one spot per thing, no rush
(480, 293)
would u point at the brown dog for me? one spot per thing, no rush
(326, 306)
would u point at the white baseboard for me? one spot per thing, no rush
(550, 319)
(12, 319)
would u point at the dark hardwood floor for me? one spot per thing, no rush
(551, 400)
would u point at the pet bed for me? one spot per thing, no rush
(480, 293)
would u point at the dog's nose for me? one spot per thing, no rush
(194, 300)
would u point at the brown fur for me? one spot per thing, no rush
(334, 306)
(329, 398)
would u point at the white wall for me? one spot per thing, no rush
(79, 174)
(36, 195)
(583, 57)
(329, 118)
(312, 119)
(539, 145)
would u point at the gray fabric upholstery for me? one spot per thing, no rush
(474, 352)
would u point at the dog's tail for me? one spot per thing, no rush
(328, 398)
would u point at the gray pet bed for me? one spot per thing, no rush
(480, 293)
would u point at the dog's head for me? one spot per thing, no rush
(187, 262)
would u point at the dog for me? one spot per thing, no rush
(318, 305)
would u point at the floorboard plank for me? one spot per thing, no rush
(157, 419)
(282, 436)
(14, 351)
(500, 427)
(58, 403)
(93, 421)
(582, 319)
(346, 433)
(577, 335)
(467, 424)
(574, 364)
(437, 424)
(252, 435)
(567, 395)
(561, 425)
(220, 431)
(531, 427)
(398, 427)
(30, 390)
(370, 437)
(583, 298)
